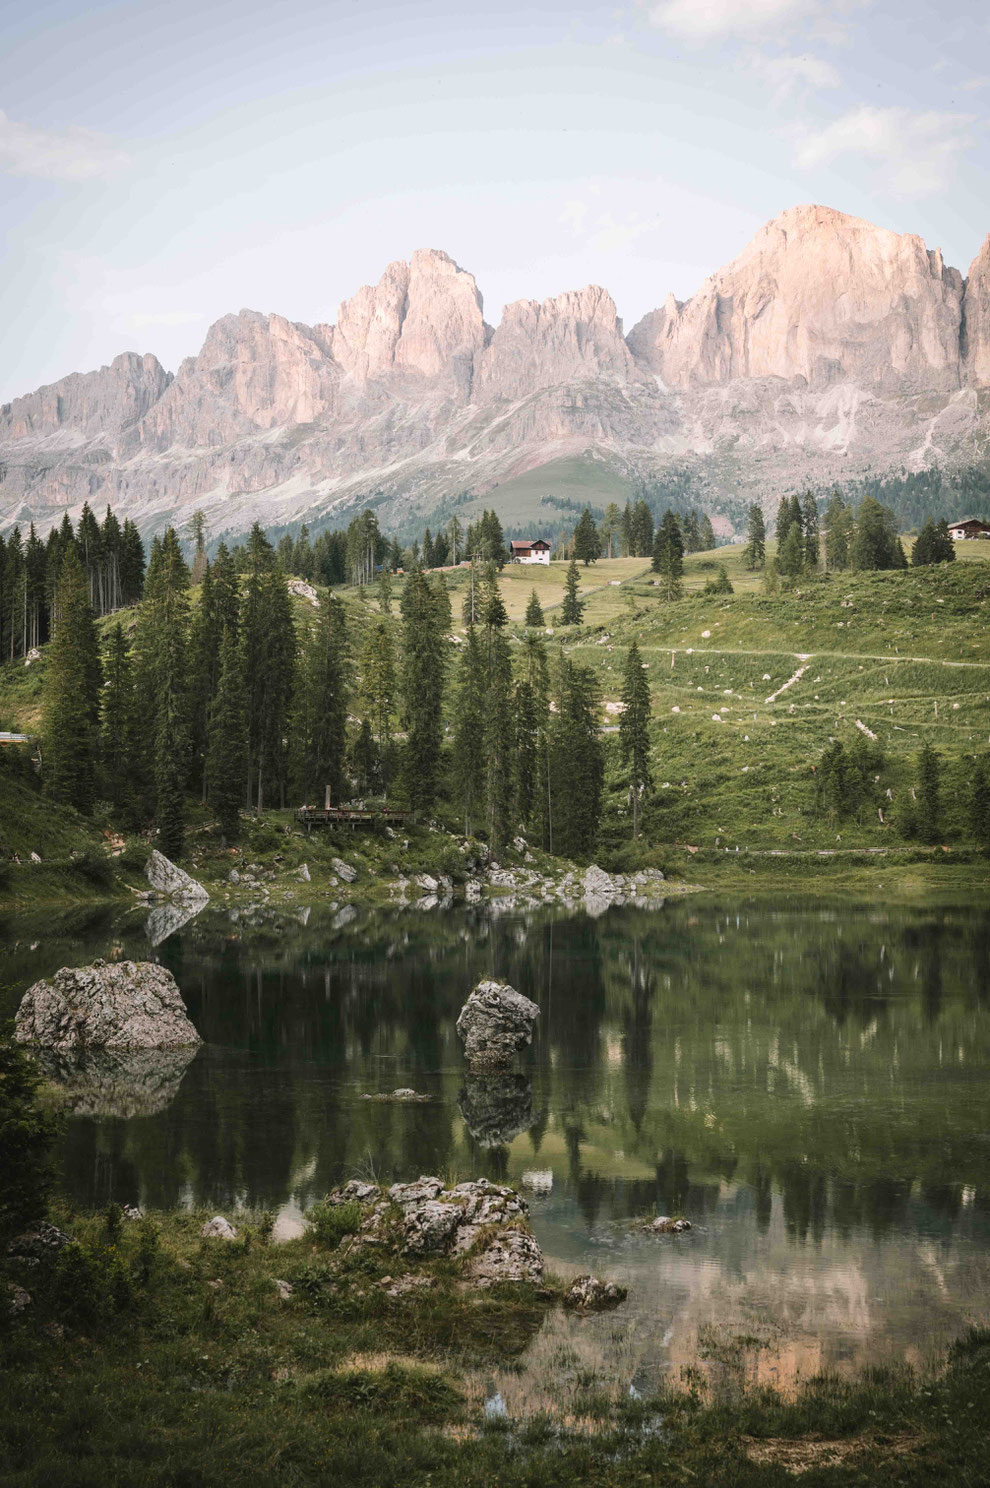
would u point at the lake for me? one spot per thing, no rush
(808, 1082)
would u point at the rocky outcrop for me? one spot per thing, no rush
(484, 1222)
(827, 349)
(588, 1294)
(88, 404)
(495, 1023)
(172, 882)
(218, 1228)
(124, 1005)
(976, 319)
(820, 296)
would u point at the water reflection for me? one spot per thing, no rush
(807, 1084)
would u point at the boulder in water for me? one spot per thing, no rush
(173, 882)
(588, 1294)
(125, 1005)
(495, 1023)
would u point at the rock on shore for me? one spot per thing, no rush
(127, 1005)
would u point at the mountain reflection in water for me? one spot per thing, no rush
(807, 1083)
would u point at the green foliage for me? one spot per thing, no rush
(929, 812)
(790, 553)
(70, 726)
(668, 556)
(534, 611)
(327, 1224)
(320, 722)
(845, 779)
(875, 543)
(27, 1134)
(934, 544)
(572, 608)
(634, 731)
(755, 552)
(226, 745)
(426, 621)
(721, 584)
(587, 544)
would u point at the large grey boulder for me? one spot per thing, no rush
(125, 1005)
(598, 884)
(495, 1023)
(167, 879)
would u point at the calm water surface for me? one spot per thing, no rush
(809, 1083)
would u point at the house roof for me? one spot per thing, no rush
(529, 542)
(969, 522)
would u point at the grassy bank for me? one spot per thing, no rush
(148, 1354)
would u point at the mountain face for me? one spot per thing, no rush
(829, 347)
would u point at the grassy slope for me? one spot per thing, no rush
(180, 1364)
(579, 478)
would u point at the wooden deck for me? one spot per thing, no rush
(353, 816)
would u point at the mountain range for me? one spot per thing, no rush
(830, 349)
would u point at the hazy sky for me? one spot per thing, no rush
(164, 163)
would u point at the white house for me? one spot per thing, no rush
(969, 527)
(525, 551)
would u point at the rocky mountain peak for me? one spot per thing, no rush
(88, 404)
(540, 343)
(976, 318)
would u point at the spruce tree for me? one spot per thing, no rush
(708, 541)
(320, 719)
(385, 591)
(838, 534)
(809, 525)
(577, 762)
(426, 623)
(634, 731)
(790, 556)
(469, 731)
(929, 812)
(587, 544)
(611, 529)
(692, 532)
(785, 517)
(534, 610)
(118, 742)
(366, 761)
(641, 545)
(532, 738)
(499, 734)
(875, 544)
(755, 551)
(70, 702)
(572, 608)
(668, 549)
(279, 657)
(226, 750)
(378, 688)
(171, 715)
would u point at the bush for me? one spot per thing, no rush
(90, 1287)
(327, 1223)
(94, 867)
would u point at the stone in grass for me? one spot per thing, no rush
(304, 873)
(40, 1243)
(664, 1226)
(512, 1256)
(171, 881)
(125, 1005)
(588, 1294)
(343, 870)
(495, 1023)
(218, 1228)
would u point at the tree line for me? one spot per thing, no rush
(239, 704)
(841, 538)
(111, 556)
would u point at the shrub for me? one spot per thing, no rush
(327, 1223)
(94, 867)
(26, 1138)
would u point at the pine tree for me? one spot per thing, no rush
(378, 688)
(171, 718)
(426, 624)
(634, 731)
(429, 558)
(641, 531)
(469, 730)
(226, 750)
(577, 764)
(809, 525)
(838, 534)
(197, 530)
(611, 529)
(933, 545)
(875, 544)
(755, 551)
(385, 591)
(70, 704)
(532, 738)
(790, 556)
(721, 584)
(708, 542)
(626, 531)
(319, 725)
(456, 539)
(785, 517)
(118, 742)
(692, 532)
(668, 549)
(534, 610)
(572, 608)
(929, 813)
(279, 657)
(499, 736)
(366, 761)
(587, 545)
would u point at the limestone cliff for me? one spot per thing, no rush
(87, 404)
(976, 319)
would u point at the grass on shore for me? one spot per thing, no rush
(150, 1355)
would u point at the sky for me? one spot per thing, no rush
(163, 164)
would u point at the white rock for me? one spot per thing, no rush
(218, 1228)
(166, 878)
(121, 1005)
(343, 870)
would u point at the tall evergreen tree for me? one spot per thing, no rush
(118, 733)
(809, 527)
(587, 545)
(755, 551)
(838, 534)
(634, 731)
(469, 731)
(790, 556)
(226, 750)
(875, 544)
(70, 703)
(426, 623)
(692, 532)
(785, 517)
(378, 687)
(171, 708)
(534, 610)
(572, 608)
(577, 763)
(320, 721)
(708, 542)
(934, 544)
(532, 738)
(499, 732)
(980, 805)
(611, 529)
(668, 550)
(641, 531)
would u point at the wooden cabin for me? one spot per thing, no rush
(526, 550)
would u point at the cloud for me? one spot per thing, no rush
(71, 154)
(600, 229)
(701, 21)
(917, 150)
(789, 75)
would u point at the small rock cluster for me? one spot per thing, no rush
(424, 1219)
(40, 1243)
(588, 1294)
(664, 1226)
